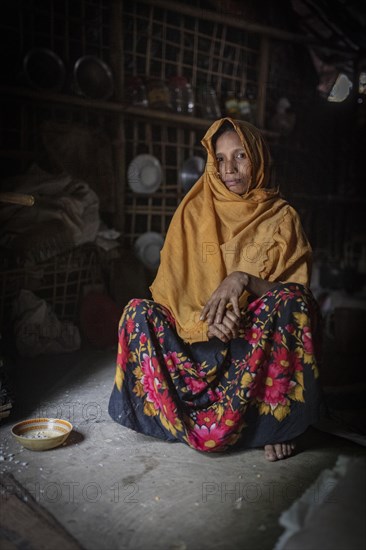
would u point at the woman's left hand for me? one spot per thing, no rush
(228, 292)
(227, 330)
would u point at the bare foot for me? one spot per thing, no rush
(279, 451)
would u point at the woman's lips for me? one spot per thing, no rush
(232, 183)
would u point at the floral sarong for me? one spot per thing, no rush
(260, 388)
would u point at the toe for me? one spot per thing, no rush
(287, 449)
(279, 451)
(270, 453)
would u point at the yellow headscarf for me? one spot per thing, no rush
(214, 232)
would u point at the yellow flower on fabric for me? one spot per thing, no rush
(138, 389)
(172, 428)
(308, 358)
(297, 393)
(149, 409)
(281, 412)
(210, 444)
(302, 319)
(119, 378)
(264, 408)
(246, 379)
(219, 411)
(229, 422)
(299, 377)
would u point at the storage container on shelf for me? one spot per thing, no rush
(181, 95)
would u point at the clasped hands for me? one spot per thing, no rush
(223, 322)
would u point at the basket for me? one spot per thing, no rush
(59, 281)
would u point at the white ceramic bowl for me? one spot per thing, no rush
(40, 434)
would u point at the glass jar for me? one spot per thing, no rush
(231, 105)
(181, 95)
(245, 112)
(136, 92)
(158, 94)
(208, 103)
(252, 98)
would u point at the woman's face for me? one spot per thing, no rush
(235, 168)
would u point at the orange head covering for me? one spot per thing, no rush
(215, 231)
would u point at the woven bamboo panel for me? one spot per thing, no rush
(172, 146)
(60, 281)
(163, 43)
(70, 28)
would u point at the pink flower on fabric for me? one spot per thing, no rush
(151, 380)
(169, 316)
(206, 418)
(270, 386)
(256, 358)
(231, 418)
(290, 328)
(122, 356)
(203, 438)
(135, 302)
(207, 436)
(253, 335)
(285, 359)
(143, 338)
(292, 292)
(256, 305)
(171, 360)
(195, 385)
(215, 395)
(295, 290)
(275, 389)
(167, 407)
(259, 309)
(277, 337)
(130, 326)
(307, 340)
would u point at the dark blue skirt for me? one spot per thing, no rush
(260, 388)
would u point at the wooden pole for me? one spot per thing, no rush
(117, 66)
(262, 81)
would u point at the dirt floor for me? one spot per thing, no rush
(112, 488)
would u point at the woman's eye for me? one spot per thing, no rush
(241, 155)
(219, 159)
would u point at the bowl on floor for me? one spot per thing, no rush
(41, 434)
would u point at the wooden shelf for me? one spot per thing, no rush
(128, 111)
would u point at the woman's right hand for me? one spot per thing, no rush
(227, 329)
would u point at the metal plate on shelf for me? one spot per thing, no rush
(144, 174)
(191, 170)
(147, 248)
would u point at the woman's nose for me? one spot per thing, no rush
(229, 166)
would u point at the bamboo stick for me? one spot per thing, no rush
(17, 198)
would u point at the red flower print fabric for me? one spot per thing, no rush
(260, 388)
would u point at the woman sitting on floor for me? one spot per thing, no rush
(223, 354)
